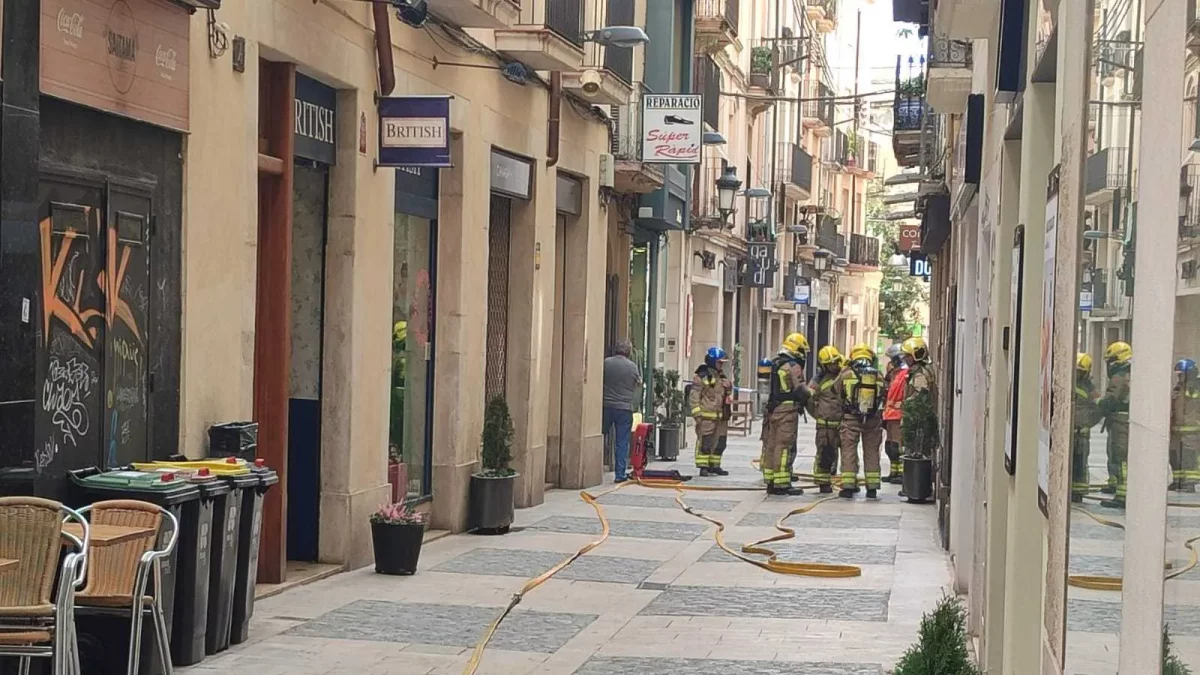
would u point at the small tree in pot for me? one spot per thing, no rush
(492, 488)
(668, 404)
(396, 534)
(920, 429)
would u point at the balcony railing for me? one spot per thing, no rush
(619, 60)
(1189, 224)
(821, 110)
(864, 250)
(565, 17)
(705, 203)
(723, 9)
(828, 237)
(627, 128)
(765, 60)
(706, 81)
(1106, 170)
(873, 157)
(947, 53)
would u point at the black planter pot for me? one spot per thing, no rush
(668, 443)
(918, 479)
(491, 506)
(397, 547)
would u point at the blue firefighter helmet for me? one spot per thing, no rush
(715, 357)
(1183, 366)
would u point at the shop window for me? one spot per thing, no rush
(409, 429)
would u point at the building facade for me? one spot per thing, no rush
(1063, 227)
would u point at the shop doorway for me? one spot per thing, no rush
(310, 206)
(554, 404)
(499, 237)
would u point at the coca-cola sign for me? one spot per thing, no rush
(127, 57)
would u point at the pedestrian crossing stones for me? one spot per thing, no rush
(771, 603)
(528, 564)
(621, 665)
(445, 625)
(637, 529)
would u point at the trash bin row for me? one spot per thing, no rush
(207, 585)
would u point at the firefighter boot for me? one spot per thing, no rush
(847, 493)
(871, 494)
(717, 471)
(826, 489)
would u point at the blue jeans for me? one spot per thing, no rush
(620, 422)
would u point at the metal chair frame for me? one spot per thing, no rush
(63, 649)
(150, 563)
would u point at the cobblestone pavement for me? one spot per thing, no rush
(657, 598)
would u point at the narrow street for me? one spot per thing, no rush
(657, 597)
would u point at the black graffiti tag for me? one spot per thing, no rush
(63, 394)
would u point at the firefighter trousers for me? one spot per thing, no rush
(870, 430)
(828, 442)
(1118, 455)
(779, 437)
(1081, 448)
(891, 446)
(711, 439)
(1185, 458)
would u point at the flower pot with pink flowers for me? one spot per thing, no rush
(397, 532)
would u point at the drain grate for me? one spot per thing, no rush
(653, 586)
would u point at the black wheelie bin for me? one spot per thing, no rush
(249, 536)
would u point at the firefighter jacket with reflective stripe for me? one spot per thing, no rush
(897, 383)
(1087, 413)
(1185, 409)
(861, 389)
(826, 403)
(1115, 404)
(710, 394)
(787, 385)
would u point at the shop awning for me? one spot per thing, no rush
(935, 224)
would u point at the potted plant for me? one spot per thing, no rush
(761, 61)
(396, 534)
(668, 405)
(913, 87)
(851, 151)
(941, 644)
(492, 488)
(920, 436)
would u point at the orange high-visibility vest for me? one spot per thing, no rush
(895, 396)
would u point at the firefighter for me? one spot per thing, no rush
(1114, 406)
(920, 380)
(1087, 415)
(894, 383)
(787, 399)
(710, 401)
(825, 406)
(1185, 426)
(861, 387)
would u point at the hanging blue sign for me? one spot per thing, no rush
(414, 131)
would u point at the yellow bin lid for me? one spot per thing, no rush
(220, 467)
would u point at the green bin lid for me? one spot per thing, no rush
(164, 489)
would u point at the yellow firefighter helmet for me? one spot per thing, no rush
(916, 348)
(862, 351)
(1118, 352)
(1083, 363)
(795, 344)
(829, 355)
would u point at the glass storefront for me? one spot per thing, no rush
(410, 441)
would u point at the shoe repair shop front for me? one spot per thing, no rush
(91, 236)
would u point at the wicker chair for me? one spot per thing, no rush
(119, 573)
(34, 620)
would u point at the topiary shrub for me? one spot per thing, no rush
(919, 425)
(497, 439)
(941, 647)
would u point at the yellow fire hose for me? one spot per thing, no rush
(1105, 583)
(771, 564)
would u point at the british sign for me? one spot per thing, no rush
(316, 117)
(671, 128)
(414, 131)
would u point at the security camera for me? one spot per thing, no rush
(589, 81)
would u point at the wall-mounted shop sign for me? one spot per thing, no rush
(802, 291)
(512, 176)
(316, 117)
(127, 57)
(417, 191)
(671, 128)
(414, 131)
(568, 195)
(821, 293)
(762, 264)
(918, 266)
(910, 237)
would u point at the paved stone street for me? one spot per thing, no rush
(657, 598)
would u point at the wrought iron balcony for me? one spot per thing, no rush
(1106, 170)
(818, 114)
(716, 23)
(909, 112)
(828, 237)
(947, 53)
(630, 173)
(619, 60)
(823, 13)
(801, 169)
(1189, 221)
(864, 250)
(765, 60)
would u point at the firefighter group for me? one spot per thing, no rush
(1111, 412)
(850, 400)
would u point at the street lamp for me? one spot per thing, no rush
(618, 36)
(898, 259)
(713, 138)
(821, 259)
(727, 187)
